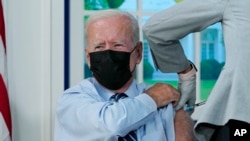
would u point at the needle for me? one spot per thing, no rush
(191, 107)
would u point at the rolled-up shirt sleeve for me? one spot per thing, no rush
(127, 114)
(82, 114)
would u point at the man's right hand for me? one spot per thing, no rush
(163, 94)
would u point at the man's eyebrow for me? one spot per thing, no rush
(120, 42)
(98, 43)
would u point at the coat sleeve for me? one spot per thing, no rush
(164, 30)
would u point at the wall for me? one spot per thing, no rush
(35, 65)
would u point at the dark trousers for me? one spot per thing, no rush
(234, 130)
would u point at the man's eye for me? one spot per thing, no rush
(98, 47)
(119, 45)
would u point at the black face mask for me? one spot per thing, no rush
(111, 68)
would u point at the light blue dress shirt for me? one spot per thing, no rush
(85, 113)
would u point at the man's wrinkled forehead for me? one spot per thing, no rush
(113, 29)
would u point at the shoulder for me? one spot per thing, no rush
(83, 86)
(84, 91)
(142, 87)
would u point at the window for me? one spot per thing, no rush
(206, 48)
(212, 58)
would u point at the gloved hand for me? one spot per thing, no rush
(187, 89)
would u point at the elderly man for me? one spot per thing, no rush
(111, 106)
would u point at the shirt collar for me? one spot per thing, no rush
(106, 94)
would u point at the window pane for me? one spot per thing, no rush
(95, 4)
(157, 5)
(212, 58)
(128, 5)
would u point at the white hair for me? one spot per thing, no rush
(133, 24)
